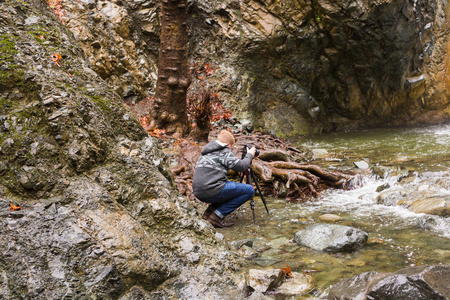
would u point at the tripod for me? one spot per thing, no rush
(249, 176)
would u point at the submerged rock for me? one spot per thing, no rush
(331, 237)
(330, 218)
(236, 245)
(247, 252)
(408, 283)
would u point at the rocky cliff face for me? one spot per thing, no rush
(100, 217)
(293, 67)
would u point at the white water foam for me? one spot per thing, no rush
(362, 203)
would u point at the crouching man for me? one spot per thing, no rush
(211, 185)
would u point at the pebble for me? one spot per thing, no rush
(330, 218)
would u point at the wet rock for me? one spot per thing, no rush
(281, 190)
(353, 288)
(383, 187)
(319, 153)
(279, 242)
(260, 244)
(409, 283)
(264, 280)
(381, 171)
(437, 205)
(391, 197)
(356, 263)
(265, 261)
(420, 196)
(361, 165)
(330, 218)
(259, 296)
(299, 284)
(247, 252)
(236, 245)
(410, 177)
(426, 222)
(331, 237)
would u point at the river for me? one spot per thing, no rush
(397, 237)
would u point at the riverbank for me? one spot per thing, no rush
(398, 238)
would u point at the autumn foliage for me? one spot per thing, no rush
(13, 207)
(56, 57)
(56, 6)
(287, 271)
(202, 103)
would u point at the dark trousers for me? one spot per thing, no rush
(233, 195)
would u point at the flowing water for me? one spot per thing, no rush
(397, 237)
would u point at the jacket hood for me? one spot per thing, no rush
(212, 146)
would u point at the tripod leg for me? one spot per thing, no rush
(259, 191)
(252, 201)
(252, 206)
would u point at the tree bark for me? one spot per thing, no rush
(170, 112)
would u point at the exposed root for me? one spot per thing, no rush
(276, 169)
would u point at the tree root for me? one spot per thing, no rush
(274, 169)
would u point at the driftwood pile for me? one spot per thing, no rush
(281, 170)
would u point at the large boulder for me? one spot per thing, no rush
(409, 283)
(100, 215)
(331, 237)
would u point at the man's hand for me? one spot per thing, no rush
(252, 151)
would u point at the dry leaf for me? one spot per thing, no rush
(14, 207)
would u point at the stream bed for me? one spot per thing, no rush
(397, 237)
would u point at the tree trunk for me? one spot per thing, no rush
(169, 111)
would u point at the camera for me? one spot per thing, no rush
(244, 150)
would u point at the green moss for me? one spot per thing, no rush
(18, 2)
(12, 77)
(102, 102)
(5, 104)
(7, 48)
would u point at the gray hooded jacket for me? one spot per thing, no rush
(211, 170)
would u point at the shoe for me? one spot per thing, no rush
(206, 214)
(217, 221)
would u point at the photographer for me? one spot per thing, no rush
(210, 184)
